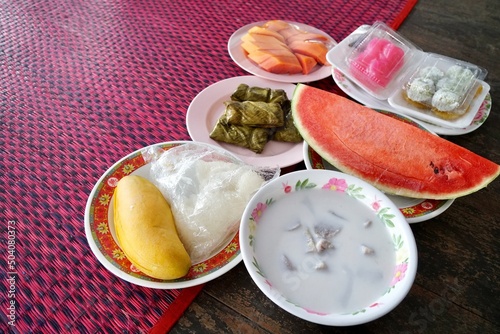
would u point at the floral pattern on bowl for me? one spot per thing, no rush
(401, 235)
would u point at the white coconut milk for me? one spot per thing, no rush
(324, 251)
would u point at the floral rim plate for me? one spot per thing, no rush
(401, 234)
(354, 91)
(239, 57)
(415, 210)
(99, 230)
(208, 106)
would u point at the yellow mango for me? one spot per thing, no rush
(146, 231)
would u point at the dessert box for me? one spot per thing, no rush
(431, 87)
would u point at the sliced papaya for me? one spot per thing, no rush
(259, 56)
(277, 35)
(307, 36)
(282, 65)
(289, 32)
(276, 25)
(256, 30)
(262, 39)
(250, 46)
(277, 63)
(313, 49)
(306, 62)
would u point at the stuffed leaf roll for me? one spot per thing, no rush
(245, 92)
(252, 138)
(254, 114)
(288, 133)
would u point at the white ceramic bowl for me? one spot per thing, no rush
(258, 213)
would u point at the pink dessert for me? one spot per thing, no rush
(376, 65)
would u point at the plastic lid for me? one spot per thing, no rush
(378, 58)
(443, 83)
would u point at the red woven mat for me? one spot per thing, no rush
(83, 83)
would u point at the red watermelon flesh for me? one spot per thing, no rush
(395, 157)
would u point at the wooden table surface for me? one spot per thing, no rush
(457, 285)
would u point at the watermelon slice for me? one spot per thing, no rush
(395, 157)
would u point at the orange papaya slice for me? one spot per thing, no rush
(306, 62)
(278, 62)
(276, 25)
(266, 32)
(307, 36)
(250, 46)
(256, 38)
(317, 50)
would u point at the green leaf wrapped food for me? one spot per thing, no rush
(252, 138)
(288, 133)
(254, 114)
(279, 96)
(245, 92)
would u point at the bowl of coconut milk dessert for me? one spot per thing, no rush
(328, 247)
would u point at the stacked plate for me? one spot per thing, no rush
(207, 107)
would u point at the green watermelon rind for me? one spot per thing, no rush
(312, 138)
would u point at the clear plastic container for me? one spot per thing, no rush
(378, 60)
(444, 85)
(434, 88)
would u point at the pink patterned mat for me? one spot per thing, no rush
(84, 83)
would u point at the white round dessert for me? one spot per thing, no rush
(421, 90)
(445, 100)
(431, 72)
(460, 73)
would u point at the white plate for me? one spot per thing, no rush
(357, 93)
(415, 210)
(100, 232)
(239, 57)
(207, 107)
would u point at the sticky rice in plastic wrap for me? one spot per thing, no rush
(208, 189)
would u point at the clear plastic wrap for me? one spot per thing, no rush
(390, 71)
(208, 189)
